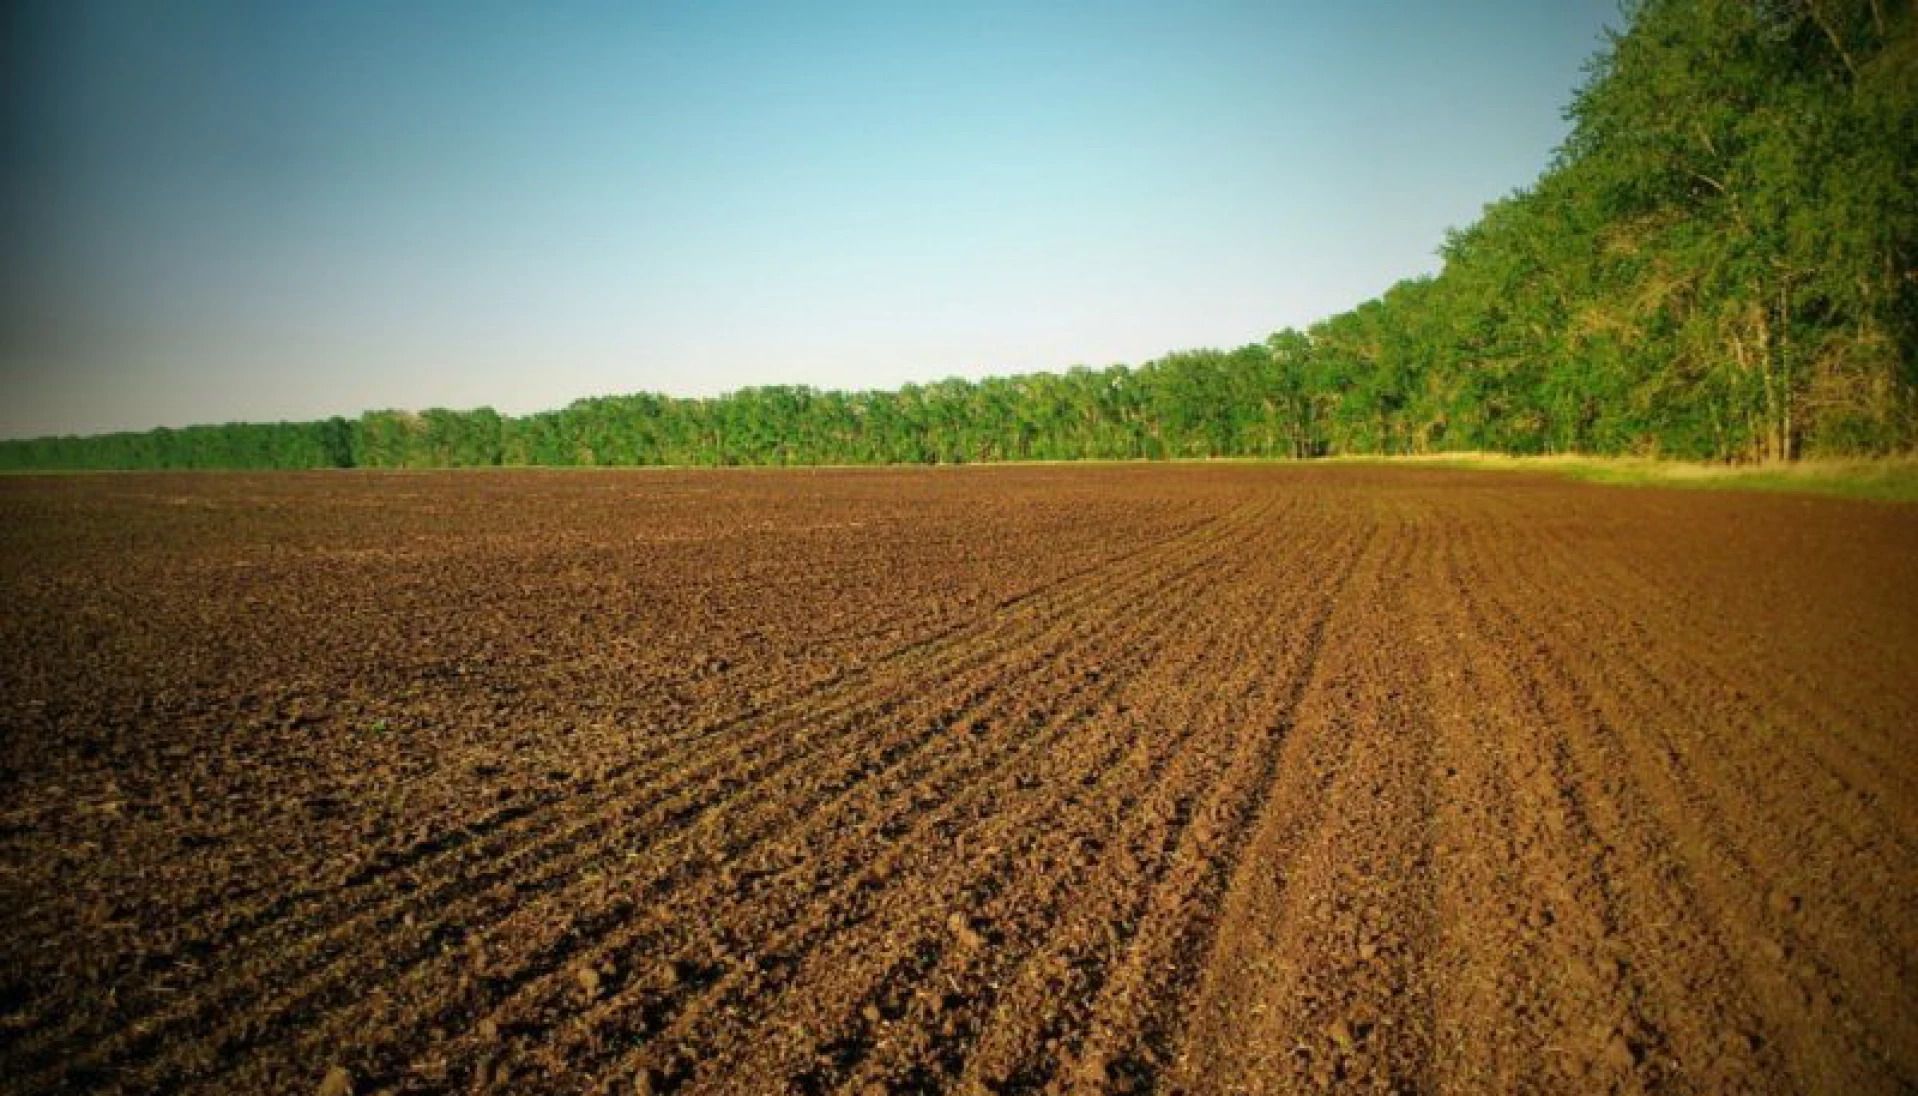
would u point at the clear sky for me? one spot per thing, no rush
(218, 211)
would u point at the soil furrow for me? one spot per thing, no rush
(1858, 744)
(1133, 1022)
(1702, 1024)
(1536, 927)
(1138, 890)
(1011, 795)
(575, 843)
(1765, 909)
(563, 944)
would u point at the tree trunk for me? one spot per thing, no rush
(1831, 33)
(1786, 372)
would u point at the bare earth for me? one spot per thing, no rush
(1141, 779)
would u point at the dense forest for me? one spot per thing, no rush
(1719, 264)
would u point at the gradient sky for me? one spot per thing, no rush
(257, 211)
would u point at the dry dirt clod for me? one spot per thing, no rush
(1092, 1070)
(337, 1082)
(1340, 1033)
(1619, 1053)
(963, 931)
(588, 981)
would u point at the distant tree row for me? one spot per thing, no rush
(1722, 263)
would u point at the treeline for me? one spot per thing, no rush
(1197, 404)
(1718, 265)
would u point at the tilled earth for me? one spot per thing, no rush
(1140, 779)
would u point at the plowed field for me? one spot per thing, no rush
(1143, 779)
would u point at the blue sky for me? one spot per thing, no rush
(262, 211)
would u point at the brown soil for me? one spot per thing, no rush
(1186, 779)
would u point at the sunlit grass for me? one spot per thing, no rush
(1886, 478)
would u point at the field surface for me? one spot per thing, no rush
(1004, 780)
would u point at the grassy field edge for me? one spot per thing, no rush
(1885, 479)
